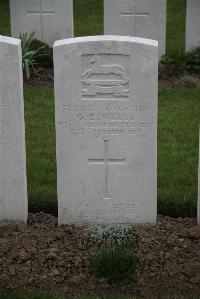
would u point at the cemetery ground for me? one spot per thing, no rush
(43, 257)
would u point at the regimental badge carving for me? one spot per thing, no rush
(105, 76)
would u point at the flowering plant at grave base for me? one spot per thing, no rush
(118, 234)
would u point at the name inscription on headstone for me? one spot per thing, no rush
(111, 119)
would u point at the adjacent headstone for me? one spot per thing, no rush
(49, 19)
(192, 24)
(142, 18)
(106, 123)
(13, 187)
(198, 202)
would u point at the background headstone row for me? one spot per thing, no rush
(53, 20)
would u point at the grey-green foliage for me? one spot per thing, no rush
(118, 234)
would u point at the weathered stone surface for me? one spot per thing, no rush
(13, 187)
(192, 24)
(142, 18)
(106, 122)
(49, 19)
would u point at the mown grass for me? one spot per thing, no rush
(40, 147)
(4, 18)
(179, 115)
(88, 17)
(176, 13)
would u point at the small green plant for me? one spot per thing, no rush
(173, 66)
(114, 263)
(119, 234)
(45, 57)
(29, 55)
(180, 63)
(194, 61)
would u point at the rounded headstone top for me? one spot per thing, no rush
(10, 40)
(102, 38)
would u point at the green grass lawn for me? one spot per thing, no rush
(176, 12)
(88, 17)
(40, 141)
(179, 110)
(179, 115)
(4, 17)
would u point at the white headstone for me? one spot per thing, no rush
(13, 187)
(106, 123)
(193, 24)
(198, 202)
(49, 19)
(142, 18)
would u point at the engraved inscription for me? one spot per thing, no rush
(126, 213)
(104, 78)
(107, 120)
(106, 161)
(41, 13)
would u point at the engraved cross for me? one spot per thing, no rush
(106, 161)
(41, 13)
(135, 15)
